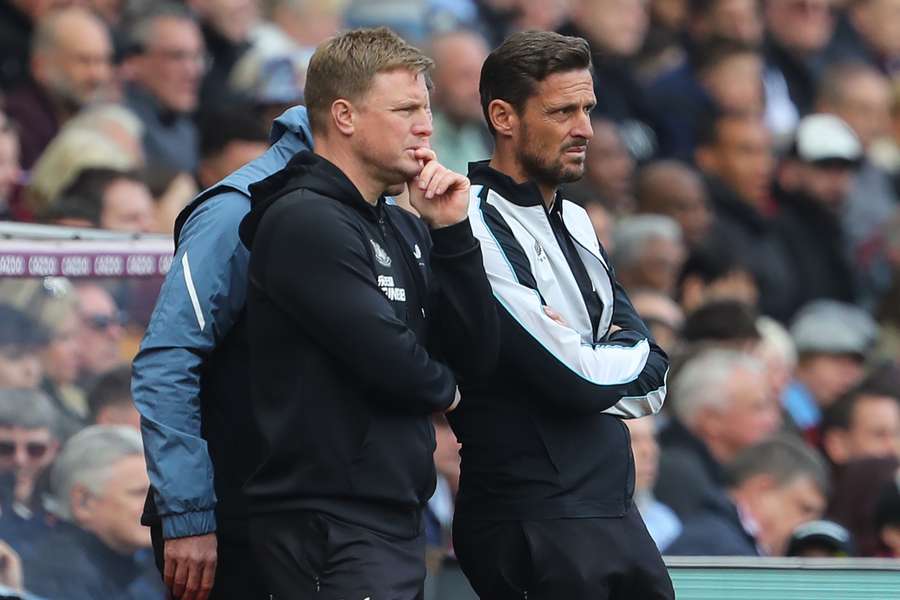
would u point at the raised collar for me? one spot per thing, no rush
(526, 193)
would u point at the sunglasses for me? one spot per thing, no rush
(34, 450)
(104, 322)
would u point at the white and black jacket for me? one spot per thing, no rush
(543, 437)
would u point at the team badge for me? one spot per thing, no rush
(380, 255)
(417, 252)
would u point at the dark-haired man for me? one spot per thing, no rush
(545, 508)
(354, 312)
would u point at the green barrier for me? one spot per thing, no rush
(704, 578)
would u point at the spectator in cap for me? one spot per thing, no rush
(821, 539)
(774, 487)
(662, 523)
(10, 165)
(674, 189)
(28, 446)
(713, 272)
(721, 406)
(21, 342)
(70, 67)
(460, 136)
(887, 518)
(166, 64)
(811, 187)
(229, 139)
(854, 501)
(863, 423)
(648, 252)
(97, 489)
(832, 341)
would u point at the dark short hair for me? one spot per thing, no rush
(513, 70)
(112, 388)
(840, 414)
(783, 457)
(721, 320)
(21, 331)
(83, 198)
(221, 126)
(713, 52)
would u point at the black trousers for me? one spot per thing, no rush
(312, 555)
(237, 572)
(575, 559)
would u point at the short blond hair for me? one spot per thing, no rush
(345, 65)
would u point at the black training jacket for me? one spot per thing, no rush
(355, 317)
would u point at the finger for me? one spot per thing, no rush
(453, 181)
(179, 581)
(170, 565)
(439, 184)
(192, 586)
(424, 154)
(207, 581)
(427, 174)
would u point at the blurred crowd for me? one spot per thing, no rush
(744, 176)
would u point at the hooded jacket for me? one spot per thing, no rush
(354, 322)
(190, 381)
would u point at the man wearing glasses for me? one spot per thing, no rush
(100, 332)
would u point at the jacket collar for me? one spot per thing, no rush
(521, 194)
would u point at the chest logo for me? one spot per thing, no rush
(539, 251)
(417, 252)
(380, 255)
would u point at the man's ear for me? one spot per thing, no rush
(503, 116)
(82, 503)
(343, 115)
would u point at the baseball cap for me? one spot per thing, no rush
(832, 327)
(823, 138)
(826, 535)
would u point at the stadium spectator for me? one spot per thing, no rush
(17, 23)
(99, 333)
(227, 29)
(728, 79)
(649, 253)
(870, 32)
(71, 67)
(21, 342)
(166, 65)
(229, 139)
(724, 323)
(662, 315)
(460, 136)
(108, 199)
(832, 341)
(67, 155)
(609, 167)
(854, 502)
(615, 30)
(776, 350)
(888, 310)
(797, 34)
(713, 271)
(28, 445)
(821, 539)
(10, 165)
(737, 20)
(172, 190)
(863, 423)
(811, 186)
(861, 96)
(720, 405)
(662, 523)
(674, 189)
(774, 487)
(735, 156)
(97, 489)
(116, 123)
(109, 400)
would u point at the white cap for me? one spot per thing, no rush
(824, 137)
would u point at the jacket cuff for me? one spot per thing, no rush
(188, 524)
(453, 240)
